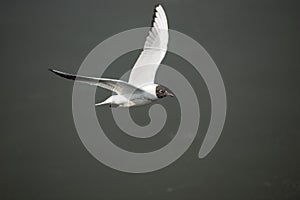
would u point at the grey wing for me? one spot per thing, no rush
(117, 86)
(154, 51)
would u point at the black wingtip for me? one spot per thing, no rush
(63, 74)
(153, 14)
(51, 70)
(55, 71)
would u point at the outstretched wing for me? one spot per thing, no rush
(154, 51)
(117, 86)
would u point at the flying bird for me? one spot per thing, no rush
(140, 89)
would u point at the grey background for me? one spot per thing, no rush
(255, 44)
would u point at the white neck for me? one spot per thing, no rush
(150, 88)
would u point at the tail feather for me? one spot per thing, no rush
(107, 101)
(101, 103)
(111, 105)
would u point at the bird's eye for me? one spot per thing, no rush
(160, 91)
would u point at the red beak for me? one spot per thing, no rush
(170, 94)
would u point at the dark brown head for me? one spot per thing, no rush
(162, 92)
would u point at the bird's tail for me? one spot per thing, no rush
(107, 101)
(101, 103)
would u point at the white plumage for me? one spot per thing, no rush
(140, 88)
(155, 48)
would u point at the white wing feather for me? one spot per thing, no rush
(154, 51)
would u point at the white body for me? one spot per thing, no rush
(146, 96)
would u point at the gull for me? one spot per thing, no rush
(141, 88)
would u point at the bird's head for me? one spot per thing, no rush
(162, 91)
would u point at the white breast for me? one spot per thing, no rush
(139, 98)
